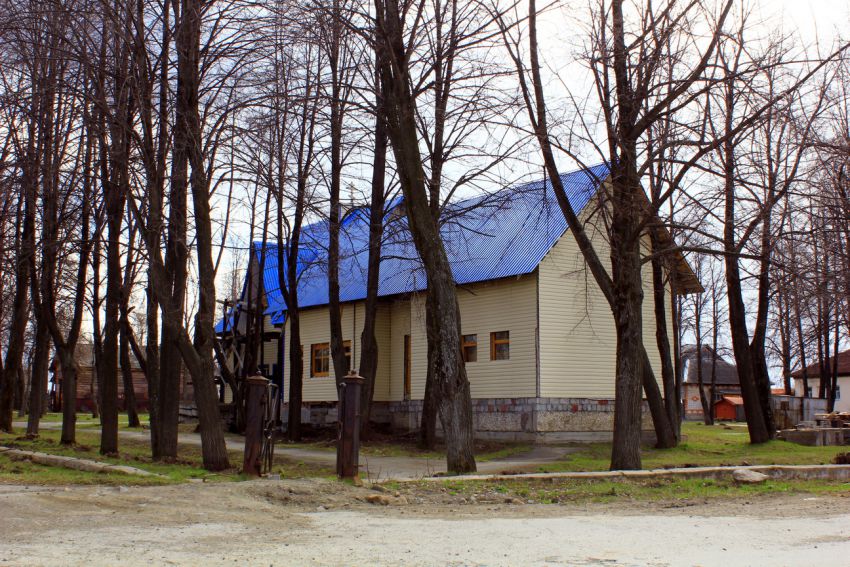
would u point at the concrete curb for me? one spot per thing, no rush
(86, 465)
(776, 472)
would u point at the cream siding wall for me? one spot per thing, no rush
(418, 347)
(507, 305)
(577, 335)
(504, 305)
(383, 335)
(400, 326)
(315, 328)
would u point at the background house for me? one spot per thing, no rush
(86, 381)
(537, 334)
(842, 393)
(726, 379)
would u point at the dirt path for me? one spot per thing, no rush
(380, 468)
(317, 522)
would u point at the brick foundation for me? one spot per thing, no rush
(542, 420)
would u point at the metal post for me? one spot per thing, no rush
(256, 402)
(348, 441)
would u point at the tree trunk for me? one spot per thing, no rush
(20, 390)
(714, 340)
(127, 376)
(213, 445)
(97, 335)
(757, 353)
(741, 347)
(833, 367)
(662, 337)
(177, 252)
(296, 375)
(368, 342)
(784, 325)
(665, 434)
(625, 294)
(41, 361)
(109, 363)
(442, 318)
(428, 421)
(706, 404)
(336, 117)
(65, 357)
(676, 304)
(628, 319)
(737, 310)
(168, 390)
(152, 369)
(288, 282)
(20, 307)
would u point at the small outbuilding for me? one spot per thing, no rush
(730, 408)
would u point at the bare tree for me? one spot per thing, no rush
(396, 30)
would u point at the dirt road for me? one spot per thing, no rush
(315, 522)
(374, 467)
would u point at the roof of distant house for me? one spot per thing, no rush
(734, 400)
(813, 370)
(726, 374)
(488, 237)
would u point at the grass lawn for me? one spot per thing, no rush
(132, 452)
(86, 421)
(703, 446)
(565, 491)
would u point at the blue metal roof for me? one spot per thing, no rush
(487, 237)
(225, 324)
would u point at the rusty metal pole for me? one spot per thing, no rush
(256, 401)
(348, 442)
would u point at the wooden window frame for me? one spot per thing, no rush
(349, 355)
(497, 341)
(313, 348)
(466, 343)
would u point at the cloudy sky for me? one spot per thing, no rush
(813, 19)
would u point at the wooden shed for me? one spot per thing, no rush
(730, 408)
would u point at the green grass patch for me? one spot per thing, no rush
(29, 473)
(86, 421)
(133, 452)
(565, 491)
(716, 445)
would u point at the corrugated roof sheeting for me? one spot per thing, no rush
(224, 325)
(487, 237)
